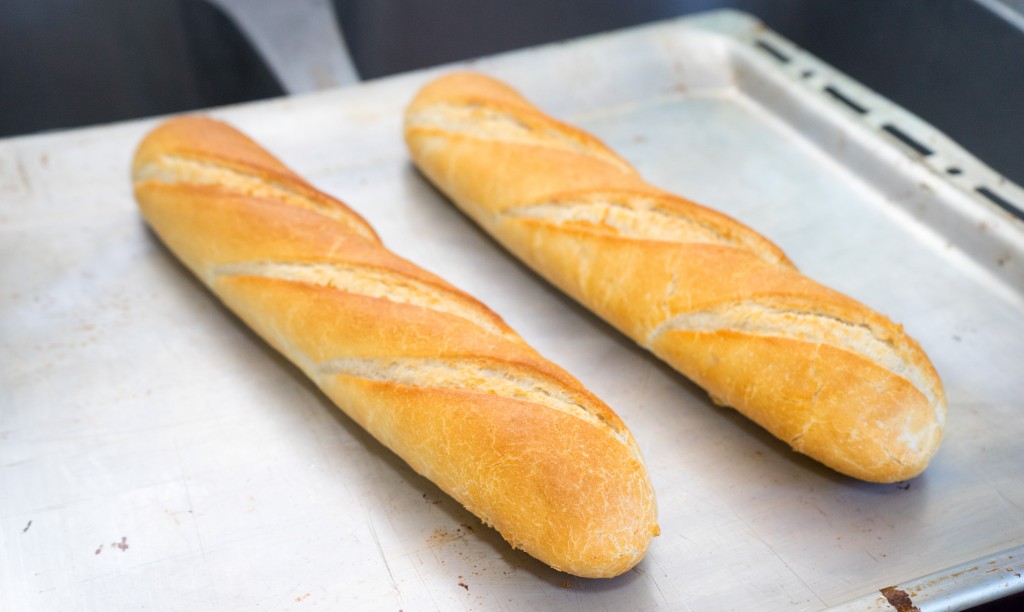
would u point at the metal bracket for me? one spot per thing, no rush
(300, 40)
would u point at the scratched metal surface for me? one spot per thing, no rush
(155, 454)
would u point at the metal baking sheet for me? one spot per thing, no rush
(155, 454)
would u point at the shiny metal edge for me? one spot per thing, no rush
(981, 212)
(956, 588)
(990, 577)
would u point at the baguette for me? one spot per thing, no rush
(429, 371)
(711, 297)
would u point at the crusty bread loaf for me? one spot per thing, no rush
(711, 297)
(428, 370)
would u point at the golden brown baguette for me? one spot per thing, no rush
(429, 371)
(717, 301)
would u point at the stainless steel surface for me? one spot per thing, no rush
(154, 453)
(955, 63)
(956, 588)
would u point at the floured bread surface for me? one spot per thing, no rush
(428, 370)
(712, 297)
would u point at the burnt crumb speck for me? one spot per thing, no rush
(566, 584)
(466, 527)
(122, 545)
(899, 599)
(99, 550)
(903, 486)
(464, 585)
(26, 527)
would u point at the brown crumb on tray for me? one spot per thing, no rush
(899, 599)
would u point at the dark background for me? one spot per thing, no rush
(952, 62)
(66, 63)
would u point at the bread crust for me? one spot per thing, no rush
(428, 370)
(710, 296)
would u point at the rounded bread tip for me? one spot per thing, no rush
(522, 202)
(267, 243)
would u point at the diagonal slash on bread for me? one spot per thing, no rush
(428, 370)
(710, 296)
